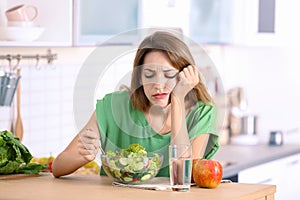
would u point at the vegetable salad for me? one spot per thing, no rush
(132, 165)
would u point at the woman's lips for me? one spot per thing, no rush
(160, 95)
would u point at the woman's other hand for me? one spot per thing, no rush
(88, 144)
(83, 149)
(188, 79)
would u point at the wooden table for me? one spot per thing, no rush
(86, 187)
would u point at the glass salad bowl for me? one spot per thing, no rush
(130, 167)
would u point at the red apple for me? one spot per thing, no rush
(207, 173)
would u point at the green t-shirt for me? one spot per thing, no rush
(121, 125)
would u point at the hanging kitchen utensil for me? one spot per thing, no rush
(8, 84)
(19, 123)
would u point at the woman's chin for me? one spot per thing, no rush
(161, 104)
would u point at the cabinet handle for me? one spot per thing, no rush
(292, 163)
(265, 181)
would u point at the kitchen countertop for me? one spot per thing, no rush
(75, 186)
(240, 157)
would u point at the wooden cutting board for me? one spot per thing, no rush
(16, 176)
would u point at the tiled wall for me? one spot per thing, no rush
(48, 110)
(46, 100)
(47, 106)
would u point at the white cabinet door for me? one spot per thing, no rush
(248, 26)
(55, 16)
(262, 174)
(288, 187)
(265, 22)
(284, 173)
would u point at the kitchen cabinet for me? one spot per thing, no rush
(235, 22)
(284, 173)
(54, 16)
(128, 15)
(254, 23)
(247, 22)
(97, 21)
(211, 21)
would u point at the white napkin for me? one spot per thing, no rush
(157, 183)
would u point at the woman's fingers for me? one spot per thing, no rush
(88, 144)
(88, 154)
(89, 133)
(188, 78)
(87, 140)
(191, 75)
(188, 72)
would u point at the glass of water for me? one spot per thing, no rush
(180, 165)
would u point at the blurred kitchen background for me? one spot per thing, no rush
(253, 46)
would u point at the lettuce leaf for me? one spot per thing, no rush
(31, 168)
(15, 157)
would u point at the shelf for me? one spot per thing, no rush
(34, 44)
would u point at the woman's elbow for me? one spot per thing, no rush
(55, 171)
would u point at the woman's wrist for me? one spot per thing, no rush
(178, 99)
(178, 125)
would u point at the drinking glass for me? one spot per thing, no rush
(180, 165)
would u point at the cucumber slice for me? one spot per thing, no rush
(139, 166)
(127, 179)
(123, 161)
(146, 177)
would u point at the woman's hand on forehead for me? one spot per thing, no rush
(188, 79)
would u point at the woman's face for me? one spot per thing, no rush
(159, 78)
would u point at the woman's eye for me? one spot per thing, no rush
(170, 76)
(149, 75)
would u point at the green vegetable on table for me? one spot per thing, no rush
(15, 157)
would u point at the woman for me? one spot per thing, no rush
(167, 104)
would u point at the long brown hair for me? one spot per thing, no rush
(179, 55)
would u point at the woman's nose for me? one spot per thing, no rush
(160, 81)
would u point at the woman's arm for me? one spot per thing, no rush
(199, 146)
(179, 132)
(188, 79)
(82, 149)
